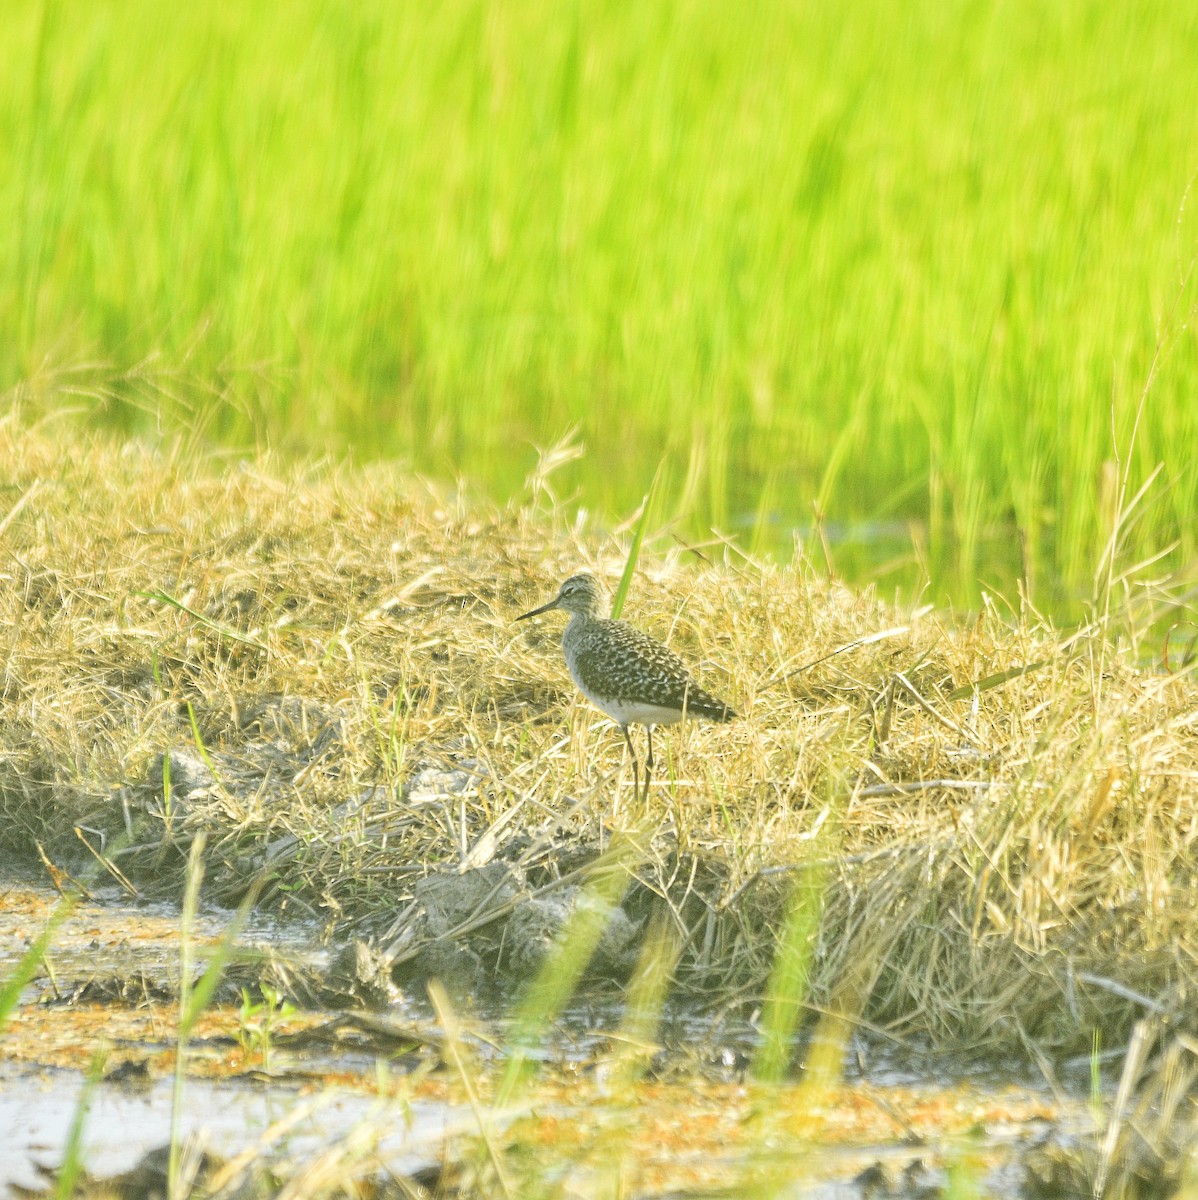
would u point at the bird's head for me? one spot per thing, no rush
(579, 594)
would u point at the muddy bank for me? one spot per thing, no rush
(271, 1094)
(675, 1140)
(980, 830)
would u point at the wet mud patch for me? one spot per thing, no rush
(386, 1080)
(278, 1128)
(106, 1001)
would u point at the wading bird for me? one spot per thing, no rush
(627, 674)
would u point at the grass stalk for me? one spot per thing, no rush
(459, 1061)
(187, 1008)
(787, 990)
(634, 550)
(72, 1158)
(565, 962)
(645, 999)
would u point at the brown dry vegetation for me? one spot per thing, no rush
(1004, 865)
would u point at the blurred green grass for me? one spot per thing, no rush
(915, 265)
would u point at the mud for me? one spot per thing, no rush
(382, 1081)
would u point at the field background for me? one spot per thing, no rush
(921, 273)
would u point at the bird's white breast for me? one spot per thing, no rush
(632, 712)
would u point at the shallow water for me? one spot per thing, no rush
(124, 1123)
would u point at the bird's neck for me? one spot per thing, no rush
(577, 623)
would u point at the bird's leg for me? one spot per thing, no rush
(636, 781)
(648, 759)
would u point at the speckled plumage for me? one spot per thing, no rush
(618, 667)
(627, 674)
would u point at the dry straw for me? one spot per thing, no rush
(1002, 818)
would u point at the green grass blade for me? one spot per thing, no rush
(567, 959)
(786, 993)
(634, 551)
(995, 680)
(224, 630)
(26, 968)
(201, 994)
(197, 737)
(459, 1061)
(72, 1157)
(646, 996)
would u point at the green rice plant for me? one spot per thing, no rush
(964, 1178)
(645, 999)
(608, 1157)
(897, 262)
(463, 1068)
(763, 537)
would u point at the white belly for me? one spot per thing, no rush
(631, 713)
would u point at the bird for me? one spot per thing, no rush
(632, 677)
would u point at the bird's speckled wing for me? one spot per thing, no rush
(619, 662)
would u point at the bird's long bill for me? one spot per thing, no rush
(536, 612)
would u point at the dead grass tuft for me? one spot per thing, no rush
(327, 664)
